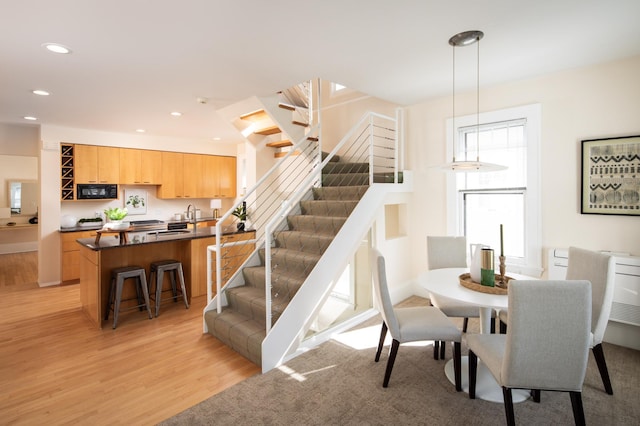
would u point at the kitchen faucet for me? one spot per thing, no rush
(192, 216)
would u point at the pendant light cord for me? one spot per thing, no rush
(478, 102)
(453, 121)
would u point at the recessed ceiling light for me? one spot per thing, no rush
(176, 113)
(40, 92)
(29, 117)
(140, 130)
(56, 48)
(215, 138)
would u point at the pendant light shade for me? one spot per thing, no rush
(465, 166)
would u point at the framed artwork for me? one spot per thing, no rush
(135, 201)
(611, 176)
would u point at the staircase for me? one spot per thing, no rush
(301, 212)
(311, 229)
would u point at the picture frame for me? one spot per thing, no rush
(135, 201)
(611, 176)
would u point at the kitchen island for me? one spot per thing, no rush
(97, 259)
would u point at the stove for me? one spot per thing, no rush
(146, 222)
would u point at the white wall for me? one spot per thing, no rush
(593, 102)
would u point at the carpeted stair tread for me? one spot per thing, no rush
(339, 192)
(345, 168)
(282, 284)
(294, 262)
(238, 331)
(345, 179)
(333, 208)
(316, 224)
(303, 241)
(250, 302)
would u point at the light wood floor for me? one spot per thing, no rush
(57, 368)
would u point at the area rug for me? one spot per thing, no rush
(338, 383)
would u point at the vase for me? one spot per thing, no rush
(476, 262)
(240, 226)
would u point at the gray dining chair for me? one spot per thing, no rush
(410, 324)
(450, 252)
(546, 346)
(599, 269)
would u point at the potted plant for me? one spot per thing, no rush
(241, 213)
(115, 216)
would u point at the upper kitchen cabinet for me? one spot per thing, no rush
(181, 176)
(172, 176)
(220, 176)
(140, 167)
(96, 164)
(197, 176)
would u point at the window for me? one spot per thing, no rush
(478, 203)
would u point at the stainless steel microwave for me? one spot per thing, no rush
(97, 191)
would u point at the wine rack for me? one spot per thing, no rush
(67, 186)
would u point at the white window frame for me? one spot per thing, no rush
(532, 263)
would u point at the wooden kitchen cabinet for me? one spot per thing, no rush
(70, 250)
(193, 178)
(172, 176)
(140, 167)
(96, 164)
(232, 258)
(219, 176)
(181, 176)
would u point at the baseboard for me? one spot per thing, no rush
(623, 335)
(18, 247)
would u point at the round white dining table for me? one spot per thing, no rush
(446, 283)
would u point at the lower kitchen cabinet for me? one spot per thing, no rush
(70, 250)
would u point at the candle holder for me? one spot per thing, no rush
(503, 268)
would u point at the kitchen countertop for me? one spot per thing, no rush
(146, 227)
(149, 236)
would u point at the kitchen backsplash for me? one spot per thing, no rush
(154, 208)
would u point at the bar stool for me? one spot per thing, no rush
(118, 278)
(173, 267)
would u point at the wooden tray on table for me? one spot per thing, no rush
(466, 281)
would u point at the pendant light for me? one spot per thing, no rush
(467, 38)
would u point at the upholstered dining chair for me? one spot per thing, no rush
(450, 252)
(410, 324)
(599, 269)
(546, 346)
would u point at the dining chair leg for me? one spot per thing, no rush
(457, 365)
(508, 406)
(465, 323)
(503, 328)
(383, 334)
(578, 410)
(598, 353)
(443, 346)
(436, 349)
(535, 394)
(473, 367)
(392, 358)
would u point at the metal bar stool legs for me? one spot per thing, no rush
(174, 268)
(118, 278)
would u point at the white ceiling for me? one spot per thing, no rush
(135, 61)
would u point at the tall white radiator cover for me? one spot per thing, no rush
(625, 307)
